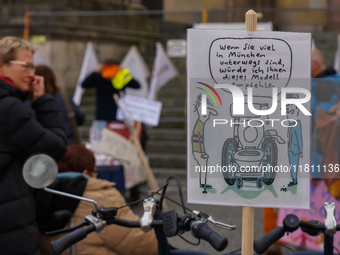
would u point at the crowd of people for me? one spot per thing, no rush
(37, 117)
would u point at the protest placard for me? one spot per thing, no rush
(134, 61)
(163, 70)
(119, 147)
(106, 142)
(248, 118)
(89, 64)
(140, 109)
(176, 48)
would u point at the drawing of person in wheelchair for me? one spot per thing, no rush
(251, 147)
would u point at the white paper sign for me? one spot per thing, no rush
(110, 143)
(176, 48)
(116, 145)
(95, 139)
(247, 132)
(141, 110)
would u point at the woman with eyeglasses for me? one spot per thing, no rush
(22, 135)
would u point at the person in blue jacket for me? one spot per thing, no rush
(325, 89)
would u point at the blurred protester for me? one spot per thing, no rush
(20, 136)
(77, 163)
(108, 79)
(326, 130)
(74, 113)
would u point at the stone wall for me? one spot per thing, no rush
(66, 36)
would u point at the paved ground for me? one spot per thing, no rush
(230, 215)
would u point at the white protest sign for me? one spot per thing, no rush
(95, 139)
(125, 113)
(90, 63)
(134, 61)
(119, 147)
(176, 48)
(163, 71)
(134, 175)
(39, 59)
(141, 109)
(248, 123)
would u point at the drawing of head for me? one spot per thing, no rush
(198, 102)
(292, 109)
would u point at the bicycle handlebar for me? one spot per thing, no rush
(199, 229)
(134, 224)
(261, 245)
(290, 223)
(79, 234)
(68, 240)
(172, 225)
(202, 231)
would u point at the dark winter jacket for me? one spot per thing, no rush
(78, 114)
(21, 135)
(106, 107)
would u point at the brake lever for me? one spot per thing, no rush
(330, 222)
(149, 206)
(209, 218)
(98, 223)
(221, 224)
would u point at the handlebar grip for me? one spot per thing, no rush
(261, 245)
(66, 241)
(202, 231)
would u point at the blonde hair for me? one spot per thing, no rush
(9, 45)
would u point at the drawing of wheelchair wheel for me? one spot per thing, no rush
(239, 183)
(270, 150)
(230, 147)
(259, 183)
